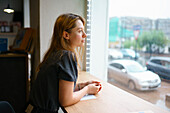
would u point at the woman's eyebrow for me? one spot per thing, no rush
(80, 28)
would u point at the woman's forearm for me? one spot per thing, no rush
(66, 95)
(75, 97)
(79, 86)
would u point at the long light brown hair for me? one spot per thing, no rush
(65, 22)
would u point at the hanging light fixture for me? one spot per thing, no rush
(8, 9)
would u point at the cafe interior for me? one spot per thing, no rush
(33, 20)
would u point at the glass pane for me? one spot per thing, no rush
(139, 40)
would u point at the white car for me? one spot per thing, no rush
(115, 54)
(133, 74)
(129, 53)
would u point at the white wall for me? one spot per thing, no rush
(49, 11)
(26, 5)
(99, 39)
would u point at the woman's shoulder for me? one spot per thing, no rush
(67, 54)
(63, 54)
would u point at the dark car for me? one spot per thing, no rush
(160, 65)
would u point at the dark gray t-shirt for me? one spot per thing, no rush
(45, 90)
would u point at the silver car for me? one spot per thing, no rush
(134, 75)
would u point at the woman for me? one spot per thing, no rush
(55, 85)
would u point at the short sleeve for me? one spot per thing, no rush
(67, 67)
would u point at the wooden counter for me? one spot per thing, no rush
(112, 100)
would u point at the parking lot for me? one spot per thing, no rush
(156, 97)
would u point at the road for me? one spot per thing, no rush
(156, 97)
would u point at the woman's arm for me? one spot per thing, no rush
(67, 96)
(83, 84)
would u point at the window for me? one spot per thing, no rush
(156, 61)
(125, 30)
(167, 64)
(140, 29)
(115, 65)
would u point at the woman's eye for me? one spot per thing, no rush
(80, 31)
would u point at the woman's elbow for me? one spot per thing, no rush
(65, 103)
(68, 101)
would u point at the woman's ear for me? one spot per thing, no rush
(66, 35)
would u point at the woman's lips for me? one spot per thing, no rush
(83, 41)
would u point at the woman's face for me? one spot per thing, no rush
(77, 35)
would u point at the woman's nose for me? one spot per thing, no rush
(84, 35)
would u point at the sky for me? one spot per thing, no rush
(152, 9)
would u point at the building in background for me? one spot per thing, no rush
(121, 29)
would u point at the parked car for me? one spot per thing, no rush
(160, 65)
(133, 74)
(115, 54)
(129, 53)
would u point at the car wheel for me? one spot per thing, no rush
(131, 85)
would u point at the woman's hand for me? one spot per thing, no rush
(93, 88)
(97, 83)
(92, 82)
(93, 85)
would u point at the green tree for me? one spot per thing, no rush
(132, 43)
(128, 44)
(154, 37)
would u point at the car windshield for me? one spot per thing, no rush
(134, 68)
